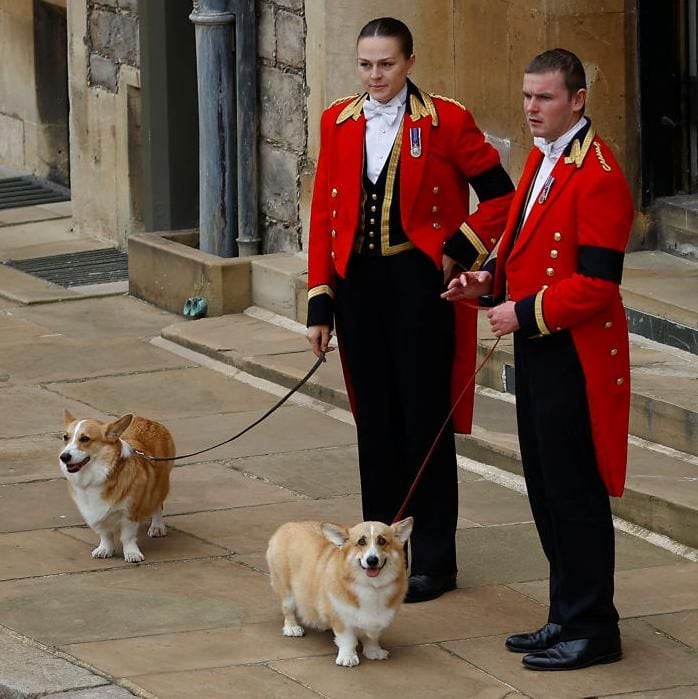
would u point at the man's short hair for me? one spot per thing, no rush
(560, 60)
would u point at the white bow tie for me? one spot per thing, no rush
(388, 112)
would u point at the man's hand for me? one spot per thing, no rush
(319, 337)
(469, 285)
(503, 319)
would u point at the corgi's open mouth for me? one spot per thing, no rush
(74, 468)
(373, 571)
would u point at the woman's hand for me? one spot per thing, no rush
(319, 337)
(468, 286)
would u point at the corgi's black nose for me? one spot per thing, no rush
(65, 457)
(372, 561)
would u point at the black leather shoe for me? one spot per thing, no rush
(425, 587)
(572, 655)
(534, 641)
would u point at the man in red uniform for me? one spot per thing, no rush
(555, 276)
(390, 217)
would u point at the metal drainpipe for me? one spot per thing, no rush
(227, 125)
(215, 67)
(247, 118)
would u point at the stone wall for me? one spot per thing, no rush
(112, 36)
(283, 121)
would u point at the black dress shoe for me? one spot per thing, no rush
(535, 641)
(572, 655)
(425, 587)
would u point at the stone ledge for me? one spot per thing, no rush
(166, 269)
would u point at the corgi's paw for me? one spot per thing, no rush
(376, 653)
(294, 630)
(103, 551)
(133, 556)
(347, 659)
(157, 530)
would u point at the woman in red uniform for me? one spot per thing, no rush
(389, 224)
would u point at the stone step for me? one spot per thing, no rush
(660, 292)
(662, 492)
(677, 225)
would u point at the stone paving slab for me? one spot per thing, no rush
(291, 429)
(26, 459)
(651, 661)
(642, 591)
(682, 626)
(180, 393)
(139, 600)
(40, 553)
(30, 214)
(197, 650)
(413, 672)
(106, 692)
(223, 683)
(56, 359)
(26, 670)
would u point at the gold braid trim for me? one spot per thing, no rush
(579, 151)
(540, 321)
(353, 109)
(479, 246)
(319, 290)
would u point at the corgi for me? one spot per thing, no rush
(113, 487)
(349, 580)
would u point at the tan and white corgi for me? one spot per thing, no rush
(113, 487)
(351, 581)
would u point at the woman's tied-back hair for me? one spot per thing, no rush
(564, 61)
(390, 27)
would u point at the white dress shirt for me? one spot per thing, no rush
(381, 131)
(552, 150)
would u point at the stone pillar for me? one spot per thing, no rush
(215, 60)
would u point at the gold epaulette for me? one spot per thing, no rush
(451, 100)
(343, 99)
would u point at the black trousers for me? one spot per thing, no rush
(570, 504)
(397, 337)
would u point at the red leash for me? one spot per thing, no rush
(420, 473)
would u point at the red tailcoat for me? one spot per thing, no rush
(564, 270)
(434, 203)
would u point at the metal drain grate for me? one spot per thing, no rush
(77, 268)
(29, 191)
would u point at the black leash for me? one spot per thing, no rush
(276, 406)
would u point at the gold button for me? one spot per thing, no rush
(334, 213)
(334, 234)
(614, 352)
(371, 234)
(372, 221)
(554, 254)
(608, 324)
(550, 271)
(619, 382)
(558, 328)
(557, 236)
(493, 240)
(332, 255)
(334, 193)
(373, 209)
(544, 287)
(371, 246)
(436, 225)
(374, 197)
(434, 209)
(436, 190)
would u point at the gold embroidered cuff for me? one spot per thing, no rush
(479, 246)
(540, 321)
(319, 290)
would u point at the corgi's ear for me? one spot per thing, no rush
(403, 529)
(114, 430)
(335, 534)
(67, 417)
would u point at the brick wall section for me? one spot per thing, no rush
(112, 36)
(283, 121)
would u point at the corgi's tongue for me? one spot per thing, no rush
(372, 572)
